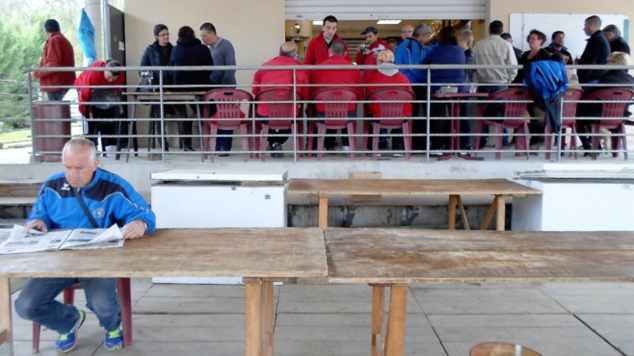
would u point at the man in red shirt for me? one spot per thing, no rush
(58, 52)
(366, 55)
(386, 74)
(337, 78)
(88, 82)
(317, 51)
(271, 79)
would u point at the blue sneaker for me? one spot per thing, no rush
(114, 340)
(66, 342)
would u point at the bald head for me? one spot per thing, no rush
(288, 49)
(406, 31)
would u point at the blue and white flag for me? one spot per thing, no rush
(86, 34)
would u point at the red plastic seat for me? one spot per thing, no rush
(515, 101)
(390, 117)
(615, 103)
(282, 116)
(568, 114)
(123, 290)
(229, 116)
(336, 102)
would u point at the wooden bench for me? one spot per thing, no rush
(20, 194)
(260, 256)
(415, 190)
(395, 258)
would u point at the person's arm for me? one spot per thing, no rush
(309, 57)
(511, 60)
(53, 59)
(39, 218)
(135, 211)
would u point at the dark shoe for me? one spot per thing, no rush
(276, 147)
(189, 149)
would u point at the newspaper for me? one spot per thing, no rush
(21, 241)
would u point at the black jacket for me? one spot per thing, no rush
(596, 52)
(615, 76)
(189, 51)
(152, 57)
(619, 45)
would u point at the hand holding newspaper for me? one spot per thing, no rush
(21, 241)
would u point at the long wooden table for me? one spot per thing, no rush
(394, 258)
(454, 188)
(260, 256)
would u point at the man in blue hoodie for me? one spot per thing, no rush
(412, 51)
(83, 196)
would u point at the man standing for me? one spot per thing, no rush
(318, 47)
(617, 43)
(596, 51)
(337, 79)
(508, 38)
(406, 31)
(223, 54)
(271, 79)
(58, 52)
(556, 46)
(494, 50)
(412, 51)
(366, 55)
(83, 196)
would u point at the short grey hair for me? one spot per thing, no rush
(422, 29)
(465, 35)
(338, 47)
(81, 143)
(613, 30)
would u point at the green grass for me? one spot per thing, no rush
(23, 137)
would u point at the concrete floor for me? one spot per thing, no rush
(553, 319)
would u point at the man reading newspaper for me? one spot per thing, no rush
(83, 196)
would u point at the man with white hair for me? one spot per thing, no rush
(617, 43)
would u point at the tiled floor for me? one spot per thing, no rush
(554, 319)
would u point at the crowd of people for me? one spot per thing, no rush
(418, 45)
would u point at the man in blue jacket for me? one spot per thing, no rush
(412, 51)
(65, 201)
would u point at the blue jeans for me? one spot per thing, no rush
(56, 95)
(224, 143)
(37, 302)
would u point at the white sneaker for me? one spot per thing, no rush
(111, 148)
(346, 148)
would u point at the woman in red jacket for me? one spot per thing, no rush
(90, 81)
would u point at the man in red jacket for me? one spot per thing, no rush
(337, 78)
(366, 55)
(87, 83)
(317, 51)
(271, 79)
(58, 52)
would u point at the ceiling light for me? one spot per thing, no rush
(388, 22)
(317, 23)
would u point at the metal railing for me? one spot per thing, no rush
(164, 96)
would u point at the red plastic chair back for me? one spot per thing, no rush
(615, 100)
(396, 99)
(336, 102)
(570, 100)
(515, 102)
(284, 110)
(228, 106)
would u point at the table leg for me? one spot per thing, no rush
(253, 317)
(501, 209)
(267, 318)
(451, 211)
(323, 212)
(463, 214)
(489, 216)
(5, 314)
(394, 345)
(378, 319)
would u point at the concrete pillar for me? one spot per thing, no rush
(94, 11)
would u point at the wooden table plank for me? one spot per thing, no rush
(276, 253)
(407, 187)
(438, 256)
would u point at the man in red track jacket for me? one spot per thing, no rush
(317, 51)
(58, 52)
(374, 46)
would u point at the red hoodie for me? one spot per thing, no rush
(331, 77)
(317, 51)
(58, 52)
(94, 78)
(264, 78)
(368, 57)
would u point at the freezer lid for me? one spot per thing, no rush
(219, 175)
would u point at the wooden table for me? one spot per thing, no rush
(394, 258)
(261, 256)
(158, 97)
(499, 188)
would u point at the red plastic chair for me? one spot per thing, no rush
(228, 106)
(515, 101)
(336, 102)
(391, 117)
(282, 114)
(123, 290)
(616, 102)
(568, 114)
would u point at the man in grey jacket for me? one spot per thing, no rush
(223, 54)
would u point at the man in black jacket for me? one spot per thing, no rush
(617, 43)
(596, 52)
